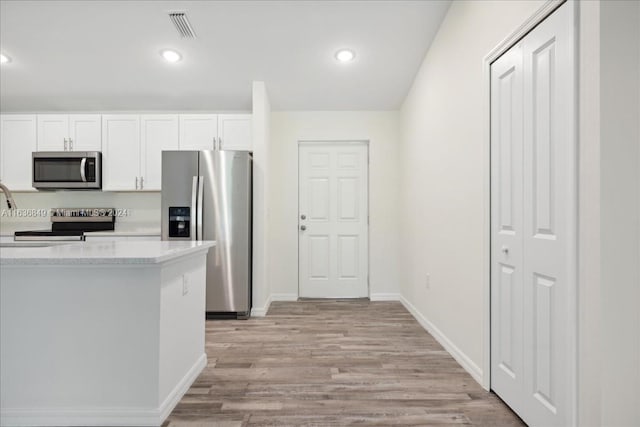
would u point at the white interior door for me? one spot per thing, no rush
(333, 220)
(507, 376)
(533, 267)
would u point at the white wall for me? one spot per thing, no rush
(620, 215)
(443, 171)
(261, 177)
(381, 130)
(589, 312)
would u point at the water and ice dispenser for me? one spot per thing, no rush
(180, 222)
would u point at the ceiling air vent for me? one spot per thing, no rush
(182, 24)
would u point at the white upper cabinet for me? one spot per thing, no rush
(215, 132)
(132, 150)
(53, 132)
(159, 132)
(76, 132)
(85, 132)
(234, 132)
(121, 152)
(131, 144)
(198, 131)
(17, 142)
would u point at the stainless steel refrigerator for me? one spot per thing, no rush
(207, 195)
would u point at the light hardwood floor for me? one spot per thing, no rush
(333, 363)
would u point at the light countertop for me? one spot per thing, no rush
(101, 253)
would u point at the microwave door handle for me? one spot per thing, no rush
(83, 166)
(200, 207)
(194, 196)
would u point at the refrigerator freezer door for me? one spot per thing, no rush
(226, 187)
(178, 171)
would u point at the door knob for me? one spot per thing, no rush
(303, 227)
(303, 216)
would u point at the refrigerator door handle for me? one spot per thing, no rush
(200, 207)
(194, 218)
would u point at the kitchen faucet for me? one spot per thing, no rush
(10, 202)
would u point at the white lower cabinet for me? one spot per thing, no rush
(17, 142)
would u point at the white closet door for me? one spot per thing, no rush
(549, 219)
(533, 294)
(507, 370)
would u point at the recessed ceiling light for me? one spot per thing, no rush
(171, 55)
(345, 55)
(4, 59)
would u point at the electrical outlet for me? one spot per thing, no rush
(427, 282)
(185, 284)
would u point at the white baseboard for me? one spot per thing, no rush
(385, 296)
(261, 311)
(474, 370)
(284, 297)
(104, 416)
(181, 388)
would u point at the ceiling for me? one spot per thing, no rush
(104, 55)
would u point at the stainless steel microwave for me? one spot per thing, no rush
(67, 170)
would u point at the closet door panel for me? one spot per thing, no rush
(507, 376)
(549, 219)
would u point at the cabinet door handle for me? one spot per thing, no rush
(141, 182)
(65, 144)
(136, 182)
(70, 144)
(219, 143)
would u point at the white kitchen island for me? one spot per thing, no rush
(103, 333)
